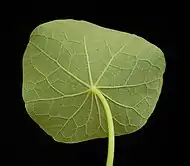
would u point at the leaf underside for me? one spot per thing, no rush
(65, 58)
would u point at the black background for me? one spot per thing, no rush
(156, 143)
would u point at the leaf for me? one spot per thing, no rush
(65, 59)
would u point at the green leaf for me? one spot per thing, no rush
(66, 59)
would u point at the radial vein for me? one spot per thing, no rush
(99, 114)
(127, 86)
(109, 63)
(60, 97)
(46, 79)
(87, 59)
(122, 105)
(73, 115)
(69, 73)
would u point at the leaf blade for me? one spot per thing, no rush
(126, 68)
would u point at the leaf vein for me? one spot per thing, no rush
(73, 114)
(69, 73)
(105, 69)
(47, 79)
(87, 59)
(122, 105)
(91, 107)
(99, 114)
(56, 98)
(127, 86)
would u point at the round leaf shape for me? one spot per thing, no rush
(66, 59)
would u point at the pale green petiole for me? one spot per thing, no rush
(111, 140)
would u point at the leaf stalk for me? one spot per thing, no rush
(111, 138)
